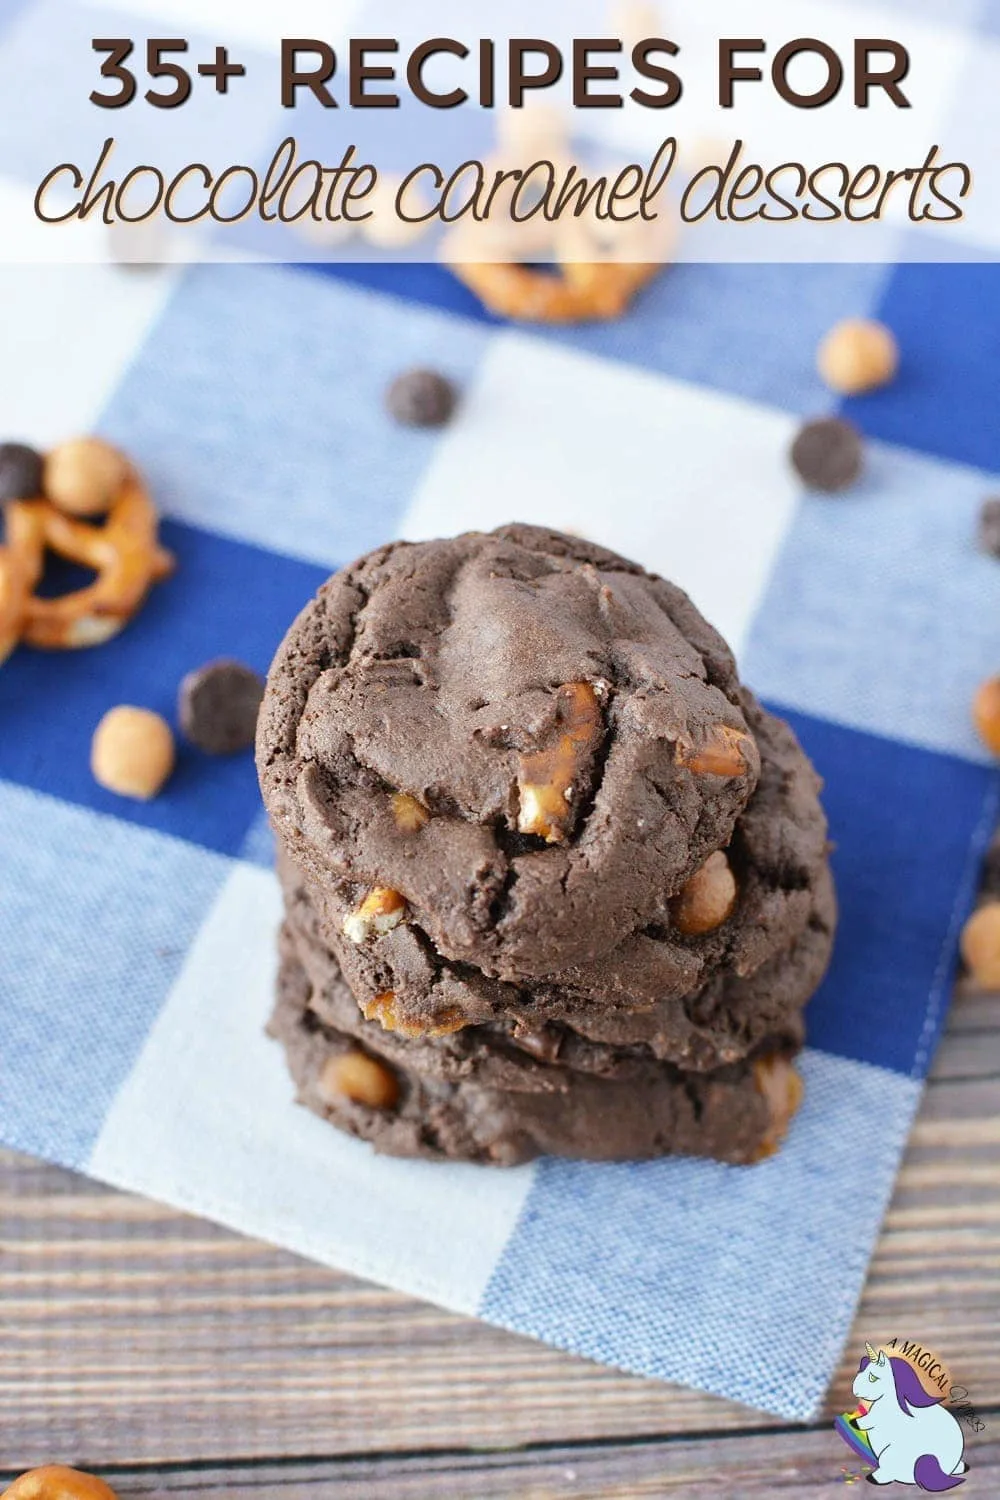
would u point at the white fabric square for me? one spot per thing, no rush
(207, 1120)
(69, 334)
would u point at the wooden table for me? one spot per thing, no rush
(181, 1360)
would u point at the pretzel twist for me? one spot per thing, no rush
(597, 268)
(123, 552)
(21, 562)
(579, 292)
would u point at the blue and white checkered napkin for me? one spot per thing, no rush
(137, 942)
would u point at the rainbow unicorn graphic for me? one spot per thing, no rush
(906, 1435)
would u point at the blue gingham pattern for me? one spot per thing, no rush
(137, 940)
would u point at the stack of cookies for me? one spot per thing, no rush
(555, 883)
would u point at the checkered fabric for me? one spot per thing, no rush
(137, 941)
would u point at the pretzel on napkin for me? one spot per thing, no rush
(123, 551)
(21, 562)
(576, 293)
(597, 268)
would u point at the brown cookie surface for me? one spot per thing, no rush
(641, 986)
(728, 1020)
(736, 1115)
(571, 727)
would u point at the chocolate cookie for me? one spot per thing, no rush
(737, 1114)
(725, 1022)
(554, 881)
(564, 730)
(778, 856)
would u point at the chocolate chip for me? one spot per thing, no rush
(218, 706)
(989, 884)
(421, 398)
(989, 527)
(20, 472)
(828, 454)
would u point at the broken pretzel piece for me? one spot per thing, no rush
(383, 1009)
(574, 293)
(21, 563)
(380, 911)
(727, 752)
(409, 814)
(547, 778)
(123, 552)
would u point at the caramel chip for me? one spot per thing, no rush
(708, 898)
(858, 355)
(547, 778)
(362, 1079)
(132, 752)
(783, 1090)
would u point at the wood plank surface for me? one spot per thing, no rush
(183, 1360)
(748, 1466)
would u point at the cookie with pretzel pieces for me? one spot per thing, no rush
(571, 727)
(122, 550)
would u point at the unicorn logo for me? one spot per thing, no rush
(905, 1434)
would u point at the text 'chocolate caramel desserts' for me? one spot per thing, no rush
(555, 882)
